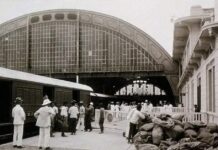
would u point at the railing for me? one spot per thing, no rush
(194, 116)
(206, 117)
(111, 116)
(212, 117)
(168, 110)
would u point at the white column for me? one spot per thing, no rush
(216, 10)
(77, 78)
(216, 42)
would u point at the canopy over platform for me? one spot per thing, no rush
(23, 76)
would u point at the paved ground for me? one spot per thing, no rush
(112, 139)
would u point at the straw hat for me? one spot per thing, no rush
(18, 99)
(73, 101)
(46, 102)
(45, 97)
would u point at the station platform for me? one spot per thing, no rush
(111, 139)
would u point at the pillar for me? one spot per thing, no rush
(216, 11)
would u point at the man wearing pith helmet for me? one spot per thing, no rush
(19, 116)
(43, 116)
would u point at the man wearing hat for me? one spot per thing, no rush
(117, 110)
(64, 118)
(92, 111)
(54, 118)
(145, 106)
(73, 112)
(45, 97)
(19, 116)
(112, 107)
(88, 117)
(43, 116)
(80, 124)
(101, 119)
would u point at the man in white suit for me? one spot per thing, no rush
(80, 124)
(19, 116)
(43, 116)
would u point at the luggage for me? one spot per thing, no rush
(212, 127)
(188, 125)
(190, 133)
(176, 133)
(147, 127)
(169, 133)
(157, 135)
(147, 147)
(164, 124)
(178, 116)
(144, 134)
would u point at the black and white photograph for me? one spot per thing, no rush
(109, 74)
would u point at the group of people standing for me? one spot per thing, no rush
(73, 118)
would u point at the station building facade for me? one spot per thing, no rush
(196, 50)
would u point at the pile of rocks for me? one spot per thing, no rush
(166, 132)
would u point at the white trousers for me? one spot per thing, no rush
(44, 137)
(117, 115)
(127, 130)
(18, 135)
(80, 124)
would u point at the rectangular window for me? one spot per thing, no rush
(192, 95)
(199, 93)
(211, 88)
(188, 98)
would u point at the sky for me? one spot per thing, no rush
(155, 17)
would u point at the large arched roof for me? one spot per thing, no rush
(155, 50)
